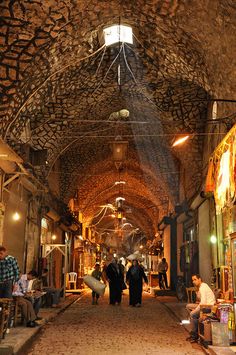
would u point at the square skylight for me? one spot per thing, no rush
(118, 33)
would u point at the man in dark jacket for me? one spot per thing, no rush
(115, 278)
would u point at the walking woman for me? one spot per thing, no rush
(134, 279)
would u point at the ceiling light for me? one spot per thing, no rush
(120, 198)
(127, 224)
(213, 239)
(16, 216)
(120, 183)
(180, 141)
(118, 33)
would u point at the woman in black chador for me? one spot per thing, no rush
(134, 279)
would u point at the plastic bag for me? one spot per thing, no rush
(94, 284)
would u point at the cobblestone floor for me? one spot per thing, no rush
(84, 329)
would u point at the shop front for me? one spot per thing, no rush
(221, 183)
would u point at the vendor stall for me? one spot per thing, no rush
(221, 182)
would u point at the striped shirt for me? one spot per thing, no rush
(9, 269)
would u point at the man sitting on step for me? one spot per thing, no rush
(207, 298)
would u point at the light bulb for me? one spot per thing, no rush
(16, 216)
(213, 239)
(180, 141)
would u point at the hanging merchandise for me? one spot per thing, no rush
(221, 175)
(210, 181)
(221, 192)
(232, 164)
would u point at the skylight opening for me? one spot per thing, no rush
(118, 33)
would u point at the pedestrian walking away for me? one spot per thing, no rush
(134, 278)
(9, 273)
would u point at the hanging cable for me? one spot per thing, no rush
(93, 225)
(102, 81)
(139, 84)
(44, 82)
(97, 71)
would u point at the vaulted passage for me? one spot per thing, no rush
(117, 138)
(67, 95)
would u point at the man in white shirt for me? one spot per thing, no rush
(19, 293)
(162, 268)
(207, 298)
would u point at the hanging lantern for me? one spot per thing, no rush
(119, 151)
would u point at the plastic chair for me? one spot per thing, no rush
(72, 280)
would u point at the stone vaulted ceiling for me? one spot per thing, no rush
(59, 87)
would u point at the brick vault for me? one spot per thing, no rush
(62, 90)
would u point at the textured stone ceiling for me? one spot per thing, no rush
(59, 87)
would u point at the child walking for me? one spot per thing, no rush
(97, 274)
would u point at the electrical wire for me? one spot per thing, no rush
(138, 83)
(91, 201)
(113, 62)
(155, 135)
(93, 225)
(67, 147)
(97, 71)
(44, 82)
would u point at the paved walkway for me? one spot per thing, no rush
(18, 337)
(85, 329)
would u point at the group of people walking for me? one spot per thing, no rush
(114, 274)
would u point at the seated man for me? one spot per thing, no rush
(19, 293)
(207, 297)
(55, 293)
(34, 291)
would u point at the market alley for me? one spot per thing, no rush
(87, 329)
